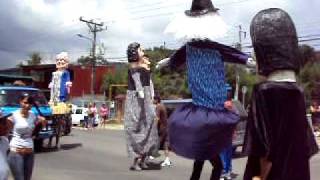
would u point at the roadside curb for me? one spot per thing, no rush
(107, 127)
(112, 127)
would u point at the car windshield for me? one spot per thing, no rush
(78, 111)
(10, 97)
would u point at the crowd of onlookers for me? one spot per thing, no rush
(91, 113)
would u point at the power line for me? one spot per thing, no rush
(171, 13)
(146, 5)
(177, 4)
(308, 40)
(94, 29)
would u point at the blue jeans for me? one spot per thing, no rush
(4, 168)
(226, 157)
(21, 165)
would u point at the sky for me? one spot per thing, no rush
(51, 26)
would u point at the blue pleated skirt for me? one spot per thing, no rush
(199, 133)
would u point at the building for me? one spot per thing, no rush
(80, 77)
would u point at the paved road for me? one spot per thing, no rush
(101, 154)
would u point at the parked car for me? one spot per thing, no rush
(238, 138)
(78, 115)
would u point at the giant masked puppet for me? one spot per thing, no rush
(201, 129)
(279, 140)
(60, 84)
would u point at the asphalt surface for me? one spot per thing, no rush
(101, 154)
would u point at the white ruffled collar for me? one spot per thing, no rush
(282, 76)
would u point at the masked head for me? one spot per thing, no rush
(134, 52)
(275, 41)
(62, 61)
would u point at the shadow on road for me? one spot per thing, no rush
(70, 146)
(153, 165)
(62, 147)
(47, 150)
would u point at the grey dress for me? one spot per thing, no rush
(139, 119)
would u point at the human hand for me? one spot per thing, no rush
(228, 105)
(141, 94)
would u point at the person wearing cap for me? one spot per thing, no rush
(279, 140)
(163, 129)
(201, 129)
(4, 145)
(60, 84)
(226, 153)
(139, 117)
(24, 122)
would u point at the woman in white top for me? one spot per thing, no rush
(21, 156)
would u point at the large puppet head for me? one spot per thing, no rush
(202, 21)
(134, 52)
(275, 41)
(62, 61)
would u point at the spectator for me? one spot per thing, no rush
(24, 122)
(85, 118)
(92, 111)
(315, 116)
(226, 154)
(104, 113)
(163, 129)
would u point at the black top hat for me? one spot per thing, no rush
(201, 7)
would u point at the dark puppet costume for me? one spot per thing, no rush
(201, 129)
(278, 129)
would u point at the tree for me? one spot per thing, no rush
(309, 75)
(84, 60)
(35, 59)
(247, 78)
(307, 54)
(309, 78)
(119, 77)
(87, 60)
(167, 84)
(100, 60)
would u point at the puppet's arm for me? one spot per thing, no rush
(175, 61)
(68, 82)
(137, 81)
(228, 53)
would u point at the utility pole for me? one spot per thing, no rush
(94, 28)
(239, 47)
